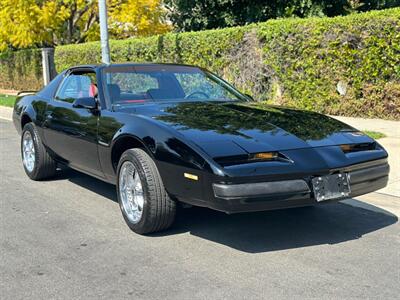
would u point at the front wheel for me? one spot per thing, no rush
(144, 202)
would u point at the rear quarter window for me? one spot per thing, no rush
(49, 90)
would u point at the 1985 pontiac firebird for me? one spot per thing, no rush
(165, 134)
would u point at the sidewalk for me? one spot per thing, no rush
(389, 128)
(6, 113)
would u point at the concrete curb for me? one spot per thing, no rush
(9, 92)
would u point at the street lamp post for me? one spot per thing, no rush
(105, 48)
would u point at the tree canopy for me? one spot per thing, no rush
(43, 23)
(37, 23)
(209, 14)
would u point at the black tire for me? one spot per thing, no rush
(44, 166)
(159, 209)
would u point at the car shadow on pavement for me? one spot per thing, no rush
(256, 232)
(95, 185)
(331, 223)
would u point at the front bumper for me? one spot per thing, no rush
(256, 196)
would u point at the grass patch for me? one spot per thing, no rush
(374, 134)
(7, 100)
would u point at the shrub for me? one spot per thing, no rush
(345, 65)
(205, 48)
(360, 54)
(300, 63)
(21, 70)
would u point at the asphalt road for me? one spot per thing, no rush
(66, 239)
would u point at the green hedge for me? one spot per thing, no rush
(294, 62)
(204, 48)
(309, 58)
(21, 70)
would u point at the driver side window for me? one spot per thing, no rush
(76, 86)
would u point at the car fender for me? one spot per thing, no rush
(158, 137)
(174, 155)
(23, 109)
(165, 146)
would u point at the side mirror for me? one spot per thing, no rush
(85, 102)
(250, 97)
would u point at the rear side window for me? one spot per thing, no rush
(49, 90)
(76, 86)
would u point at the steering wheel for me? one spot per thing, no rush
(197, 92)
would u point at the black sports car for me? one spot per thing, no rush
(166, 134)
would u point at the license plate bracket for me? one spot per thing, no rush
(329, 187)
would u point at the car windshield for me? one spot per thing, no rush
(127, 85)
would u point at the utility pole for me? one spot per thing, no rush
(105, 48)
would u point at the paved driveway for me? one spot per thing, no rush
(66, 239)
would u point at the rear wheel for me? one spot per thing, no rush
(144, 202)
(37, 162)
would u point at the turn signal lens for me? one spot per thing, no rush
(191, 176)
(358, 147)
(265, 155)
(346, 148)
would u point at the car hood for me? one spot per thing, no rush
(226, 128)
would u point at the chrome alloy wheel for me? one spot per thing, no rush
(131, 192)
(28, 151)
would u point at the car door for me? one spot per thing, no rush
(71, 132)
